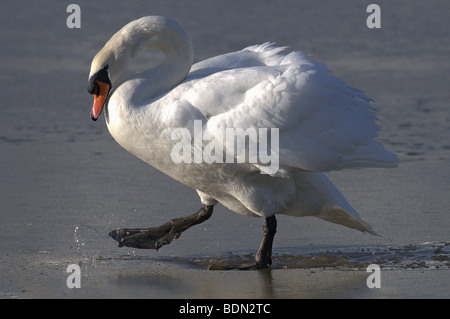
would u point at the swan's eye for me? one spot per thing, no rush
(106, 67)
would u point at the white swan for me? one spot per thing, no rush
(323, 124)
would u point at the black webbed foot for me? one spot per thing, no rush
(156, 237)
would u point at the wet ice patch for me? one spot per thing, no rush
(428, 255)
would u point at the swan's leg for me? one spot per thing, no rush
(264, 254)
(156, 237)
(263, 257)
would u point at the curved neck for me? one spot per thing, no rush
(140, 87)
(155, 33)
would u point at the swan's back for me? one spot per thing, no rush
(323, 123)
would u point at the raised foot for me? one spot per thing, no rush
(146, 238)
(156, 237)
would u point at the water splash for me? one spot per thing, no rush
(81, 235)
(90, 244)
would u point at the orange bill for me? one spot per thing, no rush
(99, 100)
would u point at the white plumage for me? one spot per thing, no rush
(323, 123)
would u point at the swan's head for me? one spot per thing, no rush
(151, 32)
(99, 85)
(106, 68)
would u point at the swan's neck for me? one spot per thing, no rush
(157, 33)
(131, 114)
(139, 89)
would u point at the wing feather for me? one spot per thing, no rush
(324, 124)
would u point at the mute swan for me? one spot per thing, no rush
(321, 124)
